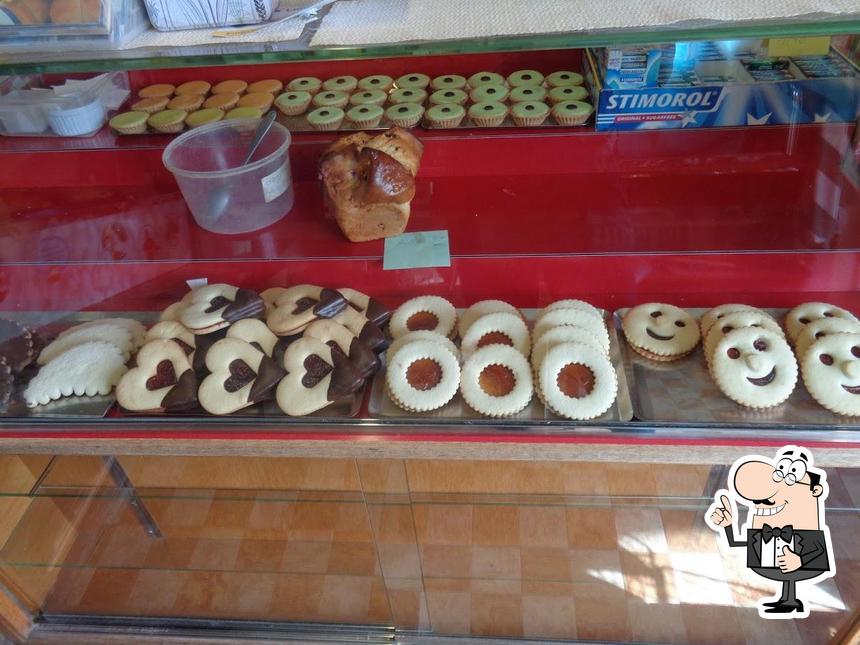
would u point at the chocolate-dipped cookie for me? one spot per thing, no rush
(240, 375)
(163, 380)
(216, 306)
(297, 307)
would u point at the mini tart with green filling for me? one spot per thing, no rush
(365, 116)
(571, 112)
(564, 78)
(405, 115)
(489, 93)
(309, 84)
(442, 97)
(341, 83)
(129, 123)
(529, 113)
(407, 95)
(527, 93)
(568, 93)
(168, 121)
(485, 78)
(447, 115)
(376, 82)
(326, 118)
(448, 82)
(243, 113)
(488, 114)
(331, 98)
(368, 97)
(525, 77)
(204, 116)
(413, 81)
(293, 103)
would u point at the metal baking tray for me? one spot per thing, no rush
(683, 391)
(381, 405)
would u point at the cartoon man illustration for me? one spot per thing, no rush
(786, 536)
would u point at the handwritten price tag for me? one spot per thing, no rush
(417, 250)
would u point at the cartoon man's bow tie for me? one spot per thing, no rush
(768, 532)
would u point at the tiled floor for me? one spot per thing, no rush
(541, 559)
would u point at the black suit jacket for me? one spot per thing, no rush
(809, 545)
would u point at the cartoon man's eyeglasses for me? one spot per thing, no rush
(790, 479)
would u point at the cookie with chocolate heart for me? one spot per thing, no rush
(255, 332)
(297, 307)
(175, 331)
(343, 340)
(317, 376)
(16, 345)
(216, 306)
(163, 380)
(240, 375)
(370, 308)
(367, 332)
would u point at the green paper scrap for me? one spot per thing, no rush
(417, 250)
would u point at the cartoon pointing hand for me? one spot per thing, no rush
(721, 513)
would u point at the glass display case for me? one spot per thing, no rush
(364, 519)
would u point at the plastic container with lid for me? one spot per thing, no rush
(223, 196)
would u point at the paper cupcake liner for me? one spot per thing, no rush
(571, 120)
(367, 123)
(529, 120)
(327, 126)
(136, 129)
(293, 110)
(173, 128)
(488, 121)
(403, 122)
(445, 123)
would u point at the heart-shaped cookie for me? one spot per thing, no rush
(367, 332)
(255, 332)
(241, 375)
(216, 306)
(175, 331)
(270, 295)
(297, 307)
(317, 375)
(343, 340)
(369, 307)
(163, 380)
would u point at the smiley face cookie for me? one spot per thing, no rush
(660, 332)
(317, 376)
(721, 311)
(163, 380)
(736, 320)
(754, 367)
(297, 307)
(240, 375)
(831, 372)
(805, 313)
(217, 306)
(819, 329)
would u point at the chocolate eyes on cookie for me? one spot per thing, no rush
(660, 331)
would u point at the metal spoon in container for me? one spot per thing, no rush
(220, 199)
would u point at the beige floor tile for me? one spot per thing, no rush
(306, 557)
(496, 562)
(649, 577)
(392, 523)
(495, 525)
(260, 555)
(449, 610)
(297, 597)
(686, 531)
(196, 597)
(353, 558)
(591, 527)
(443, 523)
(759, 631)
(496, 615)
(154, 593)
(545, 563)
(711, 624)
(656, 623)
(245, 596)
(601, 613)
(108, 591)
(544, 526)
(215, 555)
(446, 561)
(383, 476)
(399, 560)
(549, 617)
(595, 565)
(640, 530)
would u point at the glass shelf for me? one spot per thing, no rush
(301, 49)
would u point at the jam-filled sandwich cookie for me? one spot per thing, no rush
(721, 311)
(571, 317)
(240, 375)
(421, 334)
(660, 332)
(422, 376)
(496, 381)
(216, 306)
(370, 308)
(566, 334)
(754, 367)
(482, 308)
(831, 372)
(163, 380)
(89, 369)
(819, 329)
(805, 313)
(737, 320)
(297, 307)
(424, 312)
(577, 381)
(256, 333)
(347, 343)
(317, 376)
(500, 328)
(572, 304)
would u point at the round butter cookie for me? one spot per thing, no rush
(577, 381)
(736, 320)
(424, 312)
(482, 308)
(754, 367)
(805, 313)
(572, 304)
(423, 375)
(831, 372)
(716, 313)
(500, 328)
(566, 334)
(496, 381)
(421, 334)
(819, 329)
(660, 332)
(575, 317)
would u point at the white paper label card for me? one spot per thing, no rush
(276, 183)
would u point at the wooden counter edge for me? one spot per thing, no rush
(15, 622)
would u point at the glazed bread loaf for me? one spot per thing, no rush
(369, 182)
